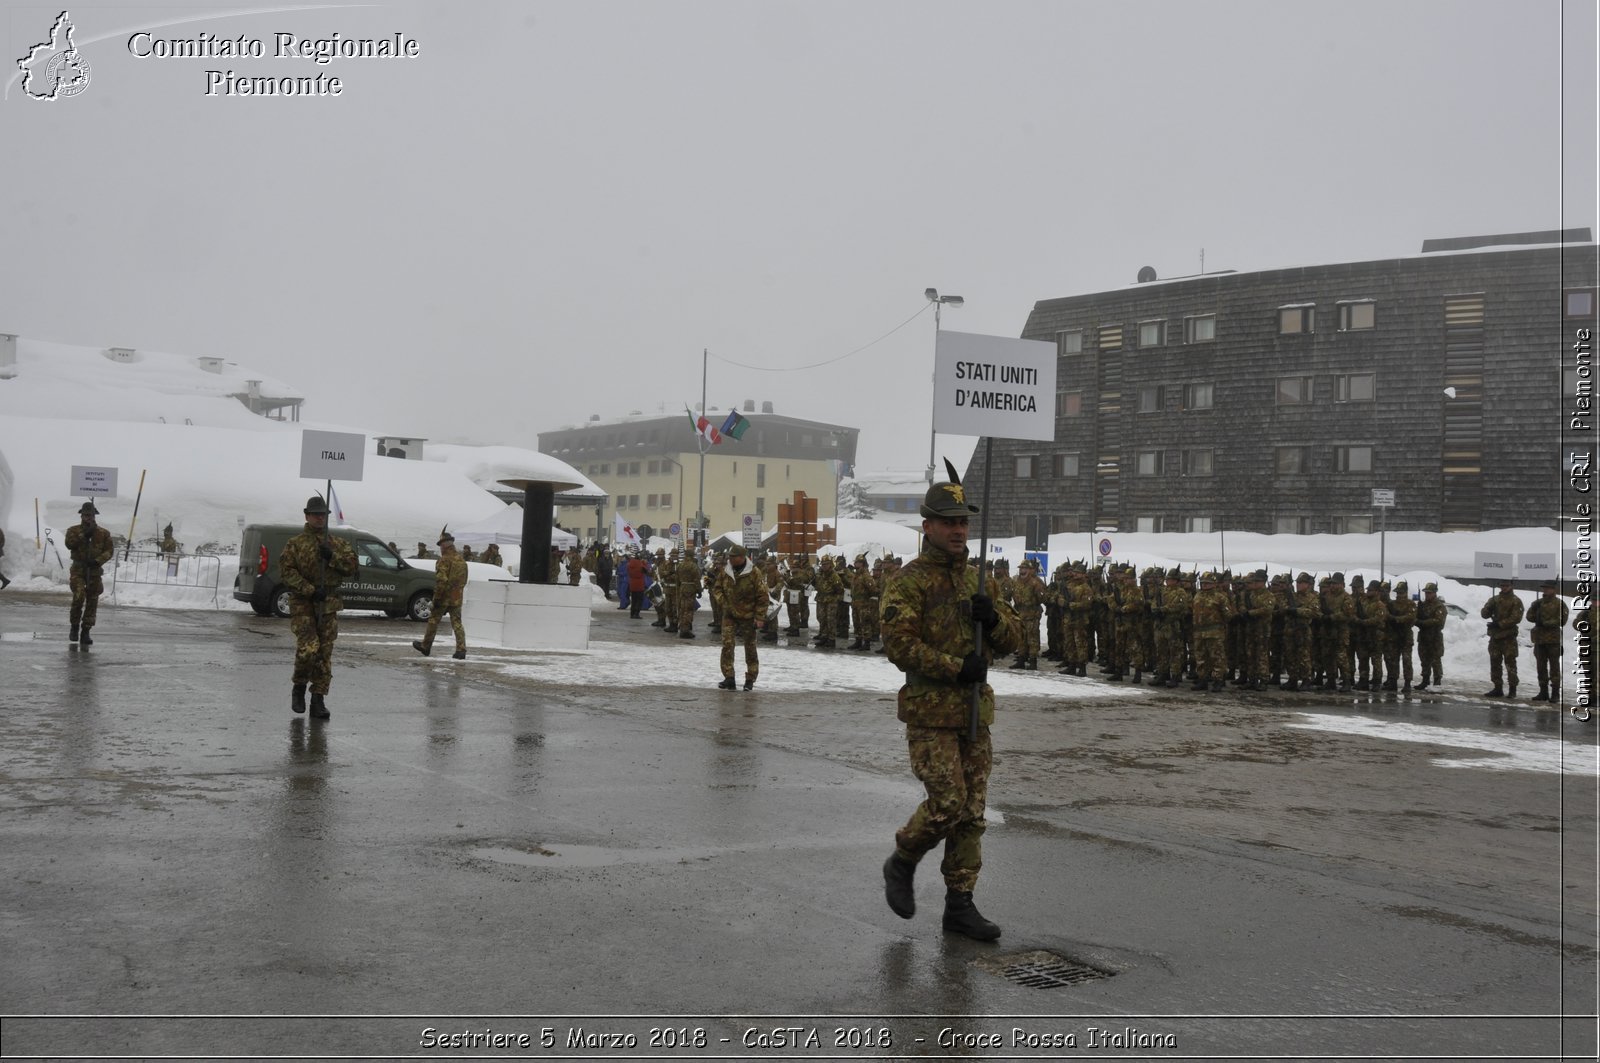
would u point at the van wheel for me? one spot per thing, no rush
(280, 602)
(260, 608)
(420, 606)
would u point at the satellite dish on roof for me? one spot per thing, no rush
(1146, 274)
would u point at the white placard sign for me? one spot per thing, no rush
(1382, 498)
(332, 455)
(1491, 566)
(1537, 566)
(750, 532)
(94, 480)
(994, 386)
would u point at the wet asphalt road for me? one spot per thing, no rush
(466, 852)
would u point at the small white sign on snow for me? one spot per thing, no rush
(994, 386)
(94, 480)
(1537, 566)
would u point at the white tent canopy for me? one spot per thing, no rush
(505, 528)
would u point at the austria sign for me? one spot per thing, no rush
(994, 386)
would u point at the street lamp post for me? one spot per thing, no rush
(938, 302)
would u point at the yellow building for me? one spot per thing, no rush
(650, 468)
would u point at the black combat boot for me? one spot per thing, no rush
(1511, 687)
(727, 683)
(1495, 693)
(1033, 664)
(1293, 685)
(1216, 686)
(85, 640)
(1257, 684)
(1543, 695)
(1392, 684)
(658, 623)
(686, 634)
(297, 700)
(672, 629)
(749, 682)
(1405, 688)
(1138, 678)
(1020, 663)
(422, 648)
(72, 636)
(1422, 686)
(459, 655)
(897, 876)
(1200, 685)
(319, 708)
(961, 916)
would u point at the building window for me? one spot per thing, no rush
(1151, 398)
(593, 469)
(1578, 304)
(1152, 333)
(633, 501)
(654, 468)
(1069, 342)
(761, 475)
(1200, 462)
(605, 469)
(633, 468)
(1463, 311)
(1150, 462)
(1198, 396)
(1361, 525)
(1201, 328)
(1289, 461)
(1197, 524)
(622, 501)
(652, 501)
(1295, 390)
(1296, 319)
(1069, 403)
(761, 505)
(1064, 523)
(1292, 525)
(666, 501)
(1352, 459)
(1147, 524)
(1110, 337)
(1356, 387)
(1066, 464)
(1354, 317)
(1025, 466)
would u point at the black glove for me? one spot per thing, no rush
(973, 667)
(325, 551)
(983, 613)
(320, 594)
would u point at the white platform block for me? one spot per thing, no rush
(527, 616)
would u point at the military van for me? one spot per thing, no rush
(384, 580)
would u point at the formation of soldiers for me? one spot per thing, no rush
(842, 597)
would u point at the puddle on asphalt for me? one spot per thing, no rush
(560, 854)
(17, 636)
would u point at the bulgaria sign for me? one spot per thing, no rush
(994, 386)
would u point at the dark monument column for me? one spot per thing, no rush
(538, 515)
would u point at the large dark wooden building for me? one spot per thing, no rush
(1279, 401)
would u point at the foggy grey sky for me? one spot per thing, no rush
(558, 205)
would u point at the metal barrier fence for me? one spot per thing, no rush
(152, 567)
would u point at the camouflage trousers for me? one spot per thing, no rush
(827, 617)
(687, 607)
(455, 626)
(1430, 652)
(799, 612)
(1547, 658)
(1030, 632)
(313, 648)
(1297, 651)
(1210, 655)
(85, 599)
(866, 619)
(1257, 661)
(742, 631)
(1397, 659)
(1075, 641)
(1169, 660)
(1503, 660)
(955, 773)
(1126, 649)
(1338, 663)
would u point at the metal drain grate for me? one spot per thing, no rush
(1044, 970)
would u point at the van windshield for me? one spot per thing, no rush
(376, 555)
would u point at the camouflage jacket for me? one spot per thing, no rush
(94, 549)
(1004, 588)
(829, 589)
(865, 587)
(928, 632)
(449, 579)
(1304, 608)
(1177, 605)
(1402, 618)
(1431, 617)
(303, 571)
(744, 593)
(1212, 610)
(687, 573)
(1027, 595)
(1504, 613)
(1548, 616)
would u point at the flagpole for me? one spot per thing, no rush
(700, 506)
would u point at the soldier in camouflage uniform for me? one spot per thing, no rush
(1055, 600)
(1301, 614)
(774, 583)
(1504, 613)
(1431, 615)
(1212, 611)
(1402, 636)
(91, 547)
(1004, 586)
(1283, 596)
(744, 611)
(1028, 601)
(931, 615)
(449, 590)
(666, 600)
(864, 601)
(829, 593)
(1127, 638)
(687, 574)
(1169, 612)
(709, 583)
(312, 566)
(1260, 606)
(1339, 620)
(1076, 622)
(1361, 637)
(1548, 615)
